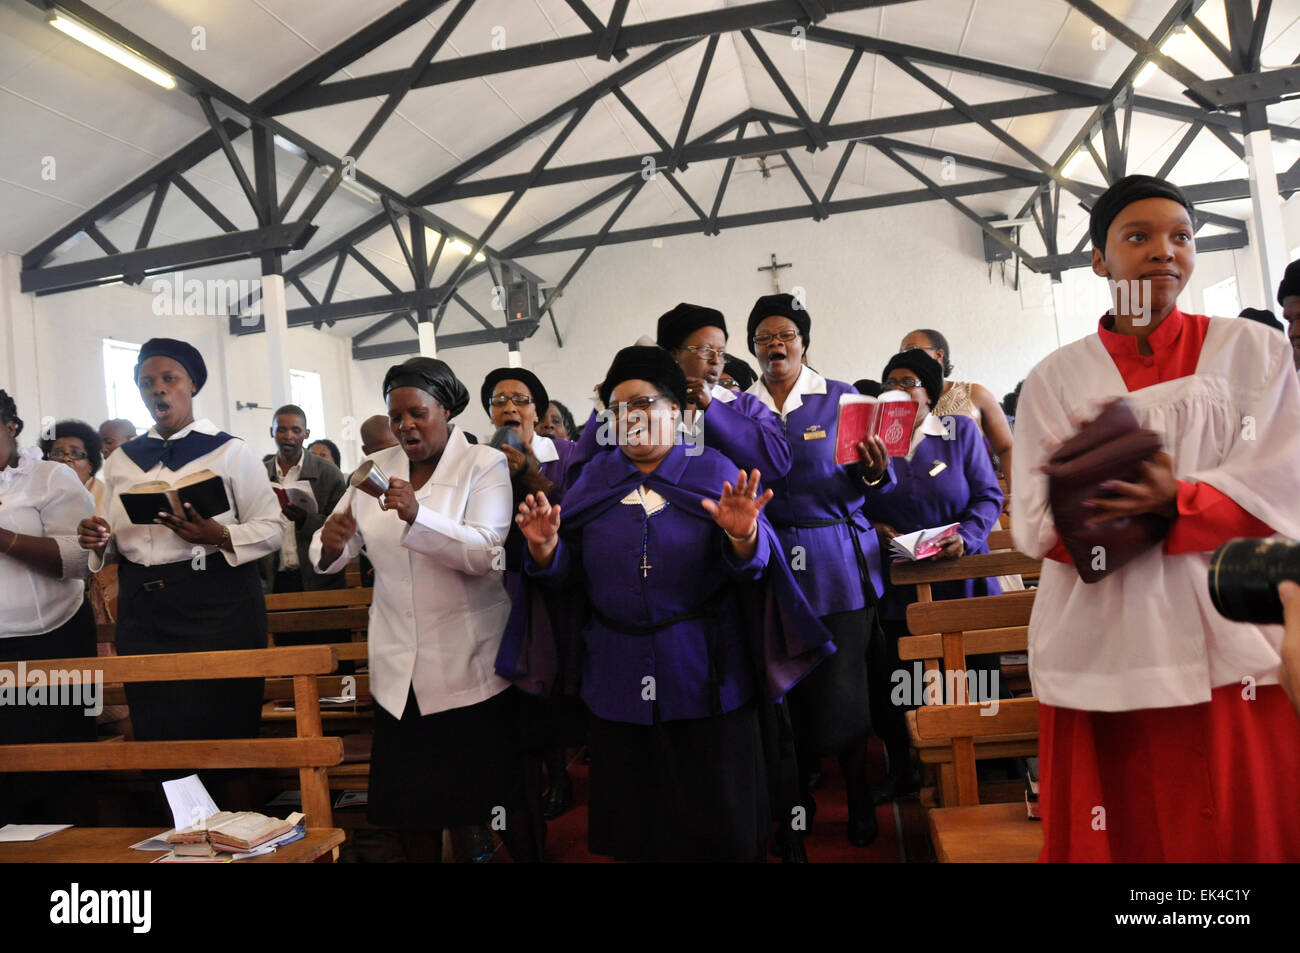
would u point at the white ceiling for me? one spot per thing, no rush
(103, 125)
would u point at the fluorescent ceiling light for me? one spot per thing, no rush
(1174, 40)
(353, 186)
(114, 51)
(459, 245)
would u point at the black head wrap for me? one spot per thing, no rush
(186, 355)
(1130, 189)
(1290, 281)
(782, 305)
(925, 367)
(540, 399)
(867, 387)
(652, 364)
(684, 320)
(739, 371)
(433, 377)
(1266, 318)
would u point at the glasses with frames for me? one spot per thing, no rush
(710, 354)
(641, 404)
(67, 455)
(918, 347)
(785, 337)
(906, 383)
(520, 400)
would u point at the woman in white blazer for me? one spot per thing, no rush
(446, 751)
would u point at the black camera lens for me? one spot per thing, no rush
(1244, 576)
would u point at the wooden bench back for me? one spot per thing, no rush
(309, 752)
(949, 630)
(318, 599)
(964, 723)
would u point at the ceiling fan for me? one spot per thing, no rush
(763, 165)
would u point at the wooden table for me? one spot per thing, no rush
(986, 833)
(112, 845)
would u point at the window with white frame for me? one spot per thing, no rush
(305, 391)
(1221, 300)
(120, 392)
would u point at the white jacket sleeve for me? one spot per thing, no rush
(1042, 422)
(350, 551)
(472, 543)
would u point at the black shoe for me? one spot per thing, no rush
(891, 789)
(863, 828)
(792, 851)
(559, 797)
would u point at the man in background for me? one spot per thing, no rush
(114, 433)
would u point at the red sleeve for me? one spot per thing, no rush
(1207, 518)
(1060, 553)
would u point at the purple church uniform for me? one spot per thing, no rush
(746, 432)
(678, 657)
(818, 489)
(963, 490)
(817, 513)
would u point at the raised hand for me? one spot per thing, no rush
(337, 532)
(401, 498)
(93, 534)
(539, 521)
(736, 511)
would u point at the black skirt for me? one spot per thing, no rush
(456, 767)
(679, 791)
(178, 608)
(830, 709)
(58, 797)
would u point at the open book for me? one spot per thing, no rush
(234, 832)
(922, 543)
(205, 491)
(889, 416)
(296, 493)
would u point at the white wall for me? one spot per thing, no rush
(869, 278)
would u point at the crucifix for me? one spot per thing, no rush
(645, 566)
(774, 268)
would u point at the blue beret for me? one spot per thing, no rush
(186, 355)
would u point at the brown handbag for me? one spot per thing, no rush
(1110, 447)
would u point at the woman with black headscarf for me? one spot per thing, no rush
(677, 659)
(945, 477)
(817, 513)
(187, 583)
(446, 750)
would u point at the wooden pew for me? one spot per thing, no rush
(309, 751)
(948, 631)
(970, 832)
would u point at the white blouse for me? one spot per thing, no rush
(440, 606)
(41, 498)
(254, 518)
(1148, 635)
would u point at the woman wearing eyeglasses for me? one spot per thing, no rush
(965, 398)
(946, 477)
(830, 544)
(676, 659)
(513, 397)
(736, 425)
(77, 444)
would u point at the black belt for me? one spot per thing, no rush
(707, 610)
(864, 570)
(152, 578)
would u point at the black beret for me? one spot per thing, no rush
(653, 364)
(925, 367)
(782, 305)
(684, 320)
(540, 400)
(433, 377)
(1266, 318)
(1130, 189)
(739, 371)
(186, 355)
(867, 387)
(1290, 281)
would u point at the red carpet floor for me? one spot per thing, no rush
(566, 836)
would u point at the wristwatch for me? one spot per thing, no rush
(225, 538)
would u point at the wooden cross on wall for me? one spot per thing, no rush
(774, 268)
